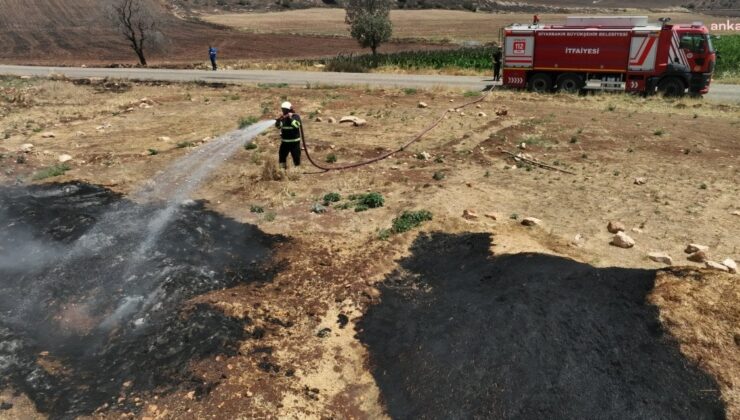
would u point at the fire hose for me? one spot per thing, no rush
(386, 155)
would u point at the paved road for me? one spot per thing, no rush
(719, 93)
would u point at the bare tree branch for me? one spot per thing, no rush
(137, 21)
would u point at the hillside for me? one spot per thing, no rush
(486, 5)
(75, 32)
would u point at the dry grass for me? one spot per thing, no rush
(700, 309)
(436, 25)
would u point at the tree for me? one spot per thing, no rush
(370, 23)
(137, 21)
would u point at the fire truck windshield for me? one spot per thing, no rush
(694, 42)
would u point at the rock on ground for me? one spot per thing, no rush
(331, 120)
(698, 257)
(492, 216)
(470, 215)
(640, 181)
(693, 248)
(731, 265)
(714, 265)
(622, 240)
(615, 227)
(356, 121)
(26, 148)
(531, 221)
(661, 257)
(64, 158)
(423, 105)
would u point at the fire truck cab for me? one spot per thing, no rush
(613, 53)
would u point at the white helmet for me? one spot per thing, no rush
(286, 105)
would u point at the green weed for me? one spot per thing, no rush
(409, 220)
(52, 171)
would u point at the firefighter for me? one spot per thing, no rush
(289, 124)
(496, 63)
(535, 20)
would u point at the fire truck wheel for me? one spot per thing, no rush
(570, 83)
(671, 87)
(540, 82)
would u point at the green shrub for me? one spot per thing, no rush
(361, 207)
(728, 64)
(245, 122)
(476, 58)
(250, 146)
(409, 220)
(438, 176)
(52, 171)
(153, 152)
(184, 144)
(256, 209)
(332, 197)
(331, 158)
(370, 200)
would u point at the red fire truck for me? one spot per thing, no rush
(619, 53)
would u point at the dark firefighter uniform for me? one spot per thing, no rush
(290, 134)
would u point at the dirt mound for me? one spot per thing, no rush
(56, 347)
(460, 334)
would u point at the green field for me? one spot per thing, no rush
(473, 58)
(728, 63)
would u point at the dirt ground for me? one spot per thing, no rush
(437, 25)
(338, 265)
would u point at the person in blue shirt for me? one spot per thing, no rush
(212, 53)
(289, 124)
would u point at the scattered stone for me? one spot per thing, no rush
(661, 257)
(478, 106)
(318, 209)
(523, 145)
(462, 114)
(640, 181)
(331, 120)
(80, 134)
(531, 221)
(48, 135)
(452, 110)
(716, 266)
(731, 265)
(492, 216)
(190, 395)
(622, 240)
(319, 119)
(502, 112)
(736, 213)
(164, 139)
(423, 105)
(698, 257)
(25, 77)
(614, 227)
(637, 230)
(692, 248)
(64, 158)
(356, 121)
(482, 114)
(424, 156)
(26, 148)
(129, 109)
(323, 333)
(452, 100)
(469, 215)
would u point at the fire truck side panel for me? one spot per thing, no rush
(582, 50)
(643, 51)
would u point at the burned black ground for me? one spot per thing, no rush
(461, 334)
(146, 350)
